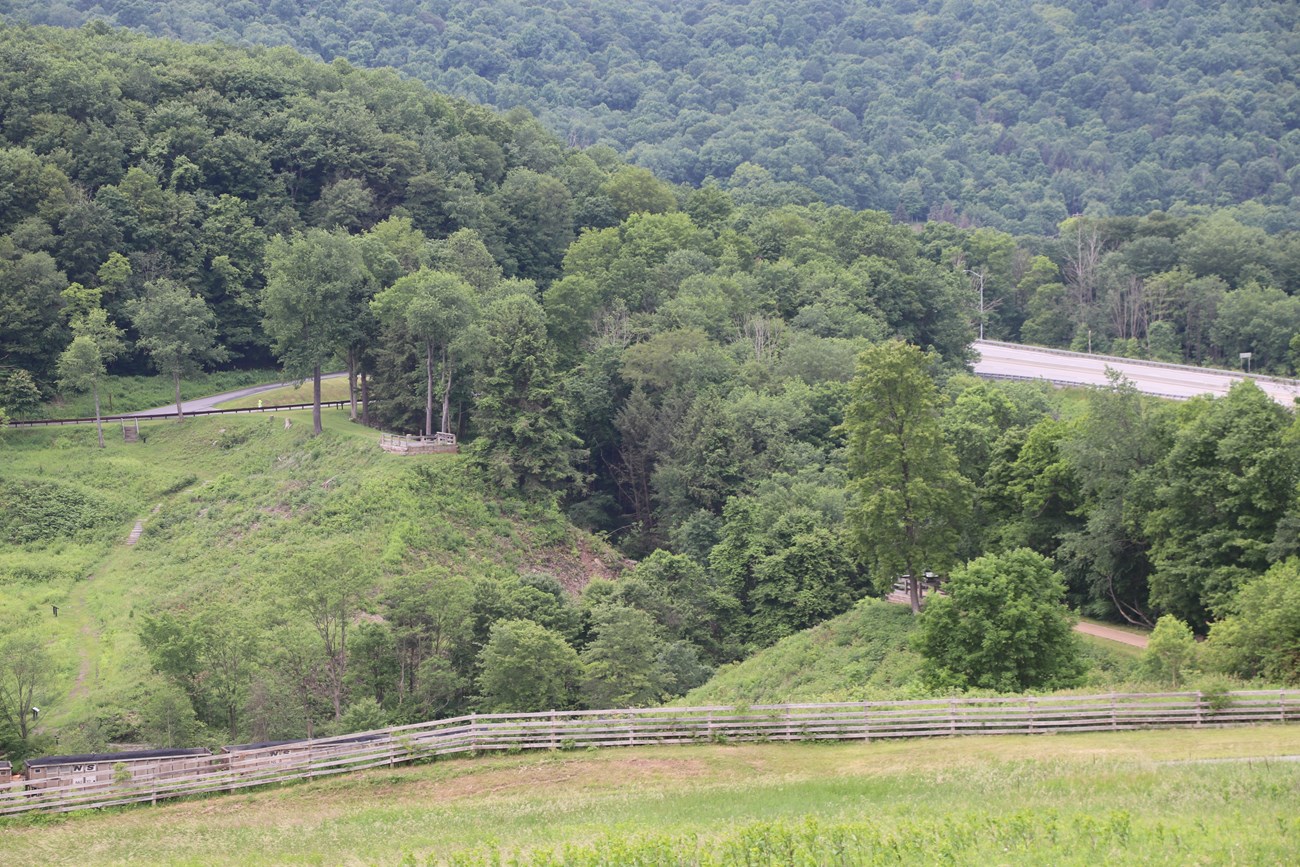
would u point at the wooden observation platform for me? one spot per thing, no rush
(398, 444)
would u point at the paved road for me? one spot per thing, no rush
(1168, 380)
(211, 401)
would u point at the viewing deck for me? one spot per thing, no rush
(410, 444)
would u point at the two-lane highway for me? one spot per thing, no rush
(1011, 361)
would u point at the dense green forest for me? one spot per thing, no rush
(1013, 115)
(762, 404)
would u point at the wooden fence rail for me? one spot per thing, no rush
(552, 730)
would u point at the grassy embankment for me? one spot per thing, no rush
(120, 394)
(1133, 798)
(865, 654)
(226, 503)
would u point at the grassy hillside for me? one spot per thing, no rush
(226, 505)
(861, 654)
(1124, 797)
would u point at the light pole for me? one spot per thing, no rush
(980, 275)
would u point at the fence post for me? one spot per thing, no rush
(866, 721)
(473, 732)
(1200, 708)
(1114, 715)
(554, 744)
(952, 716)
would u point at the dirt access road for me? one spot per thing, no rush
(1112, 634)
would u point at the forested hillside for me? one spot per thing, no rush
(1014, 115)
(128, 160)
(762, 403)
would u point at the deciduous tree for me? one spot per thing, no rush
(178, 331)
(436, 308)
(81, 366)
(1002, 625)
(311, 280)
(25, 673)
(910, 498)
(526, 667)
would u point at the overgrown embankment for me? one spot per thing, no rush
(230, 507)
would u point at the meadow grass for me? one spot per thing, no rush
(119, 394)
(1131, 797)
(862, 654)
(227, 504)
(335, 388)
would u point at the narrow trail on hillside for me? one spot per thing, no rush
(88, 634)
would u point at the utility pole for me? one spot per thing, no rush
(979, 274)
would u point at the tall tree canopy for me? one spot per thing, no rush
(910, 499)
(435, 308)
(311, 280)
(178, 331)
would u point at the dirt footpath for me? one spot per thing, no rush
(1112, 634)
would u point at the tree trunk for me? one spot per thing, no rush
(352, 383)
(913, 589)
(99, 424)
(428, 396)
(176, 380)
(365, 398)
(446, 392)
(315, 406)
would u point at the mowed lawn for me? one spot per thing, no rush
(334, 388)
(1133, 798)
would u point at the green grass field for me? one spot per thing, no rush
(1131, 798)
(330, 389)
(226, 504)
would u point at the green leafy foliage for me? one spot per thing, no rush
(523, 418)
(527, 667)
(1000, 625)
(1011, 115)
(1171, 651)
(1261, 635)
(45, 510)
(621, 664)
(862, 654)
(910, 497)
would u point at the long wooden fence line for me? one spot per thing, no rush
(561, 730)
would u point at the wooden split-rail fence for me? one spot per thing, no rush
(860, 721)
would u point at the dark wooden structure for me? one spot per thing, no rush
(96, 770)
